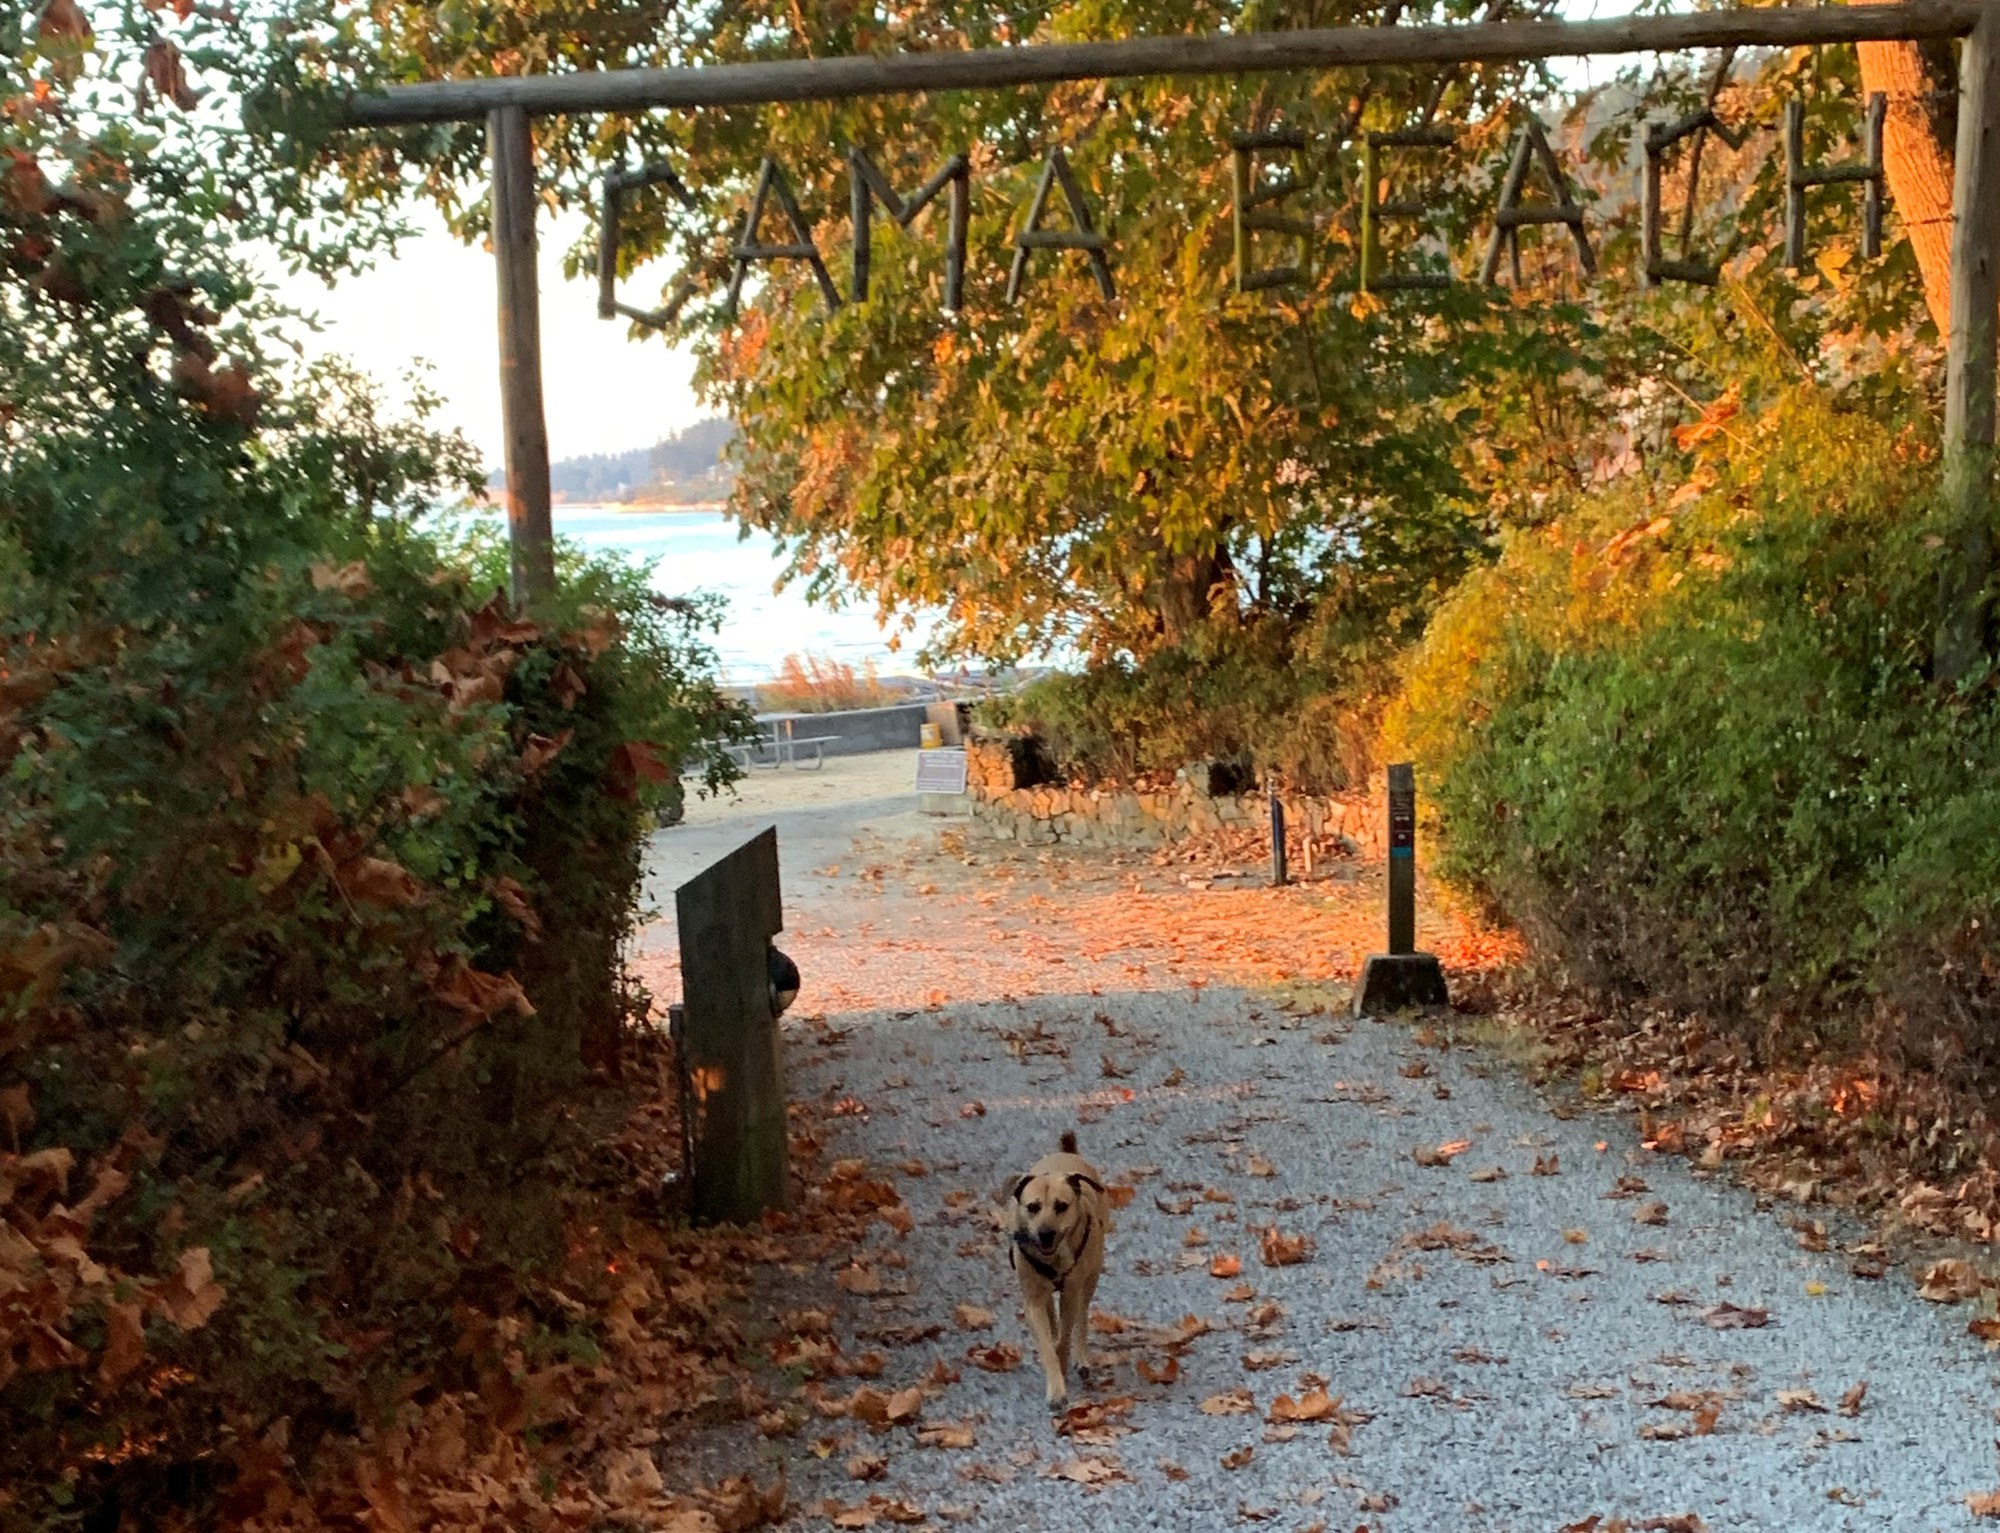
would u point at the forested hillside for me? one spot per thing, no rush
(687, 467)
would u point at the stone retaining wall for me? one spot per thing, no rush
(1048, 813)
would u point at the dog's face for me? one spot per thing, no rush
(1046, 1209)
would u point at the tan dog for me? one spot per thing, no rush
(1059, 1220)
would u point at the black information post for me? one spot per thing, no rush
(1401, 978)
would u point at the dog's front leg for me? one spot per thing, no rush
(1042, 1325)
(1076, 1322)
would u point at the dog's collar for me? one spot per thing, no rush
(1044, 1269)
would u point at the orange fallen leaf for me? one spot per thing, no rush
(1314, 1405)
(1442, 1155)
(1279, 1250)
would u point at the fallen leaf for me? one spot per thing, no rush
(1314, 1405)
(1001, 1357)
(1088, 1472)
(124, 1341)
(1278, 1250)
(1236, 1458)
(1159, 1373)
(191, 1295)
(1850, 1403)
(1950, 1281)
(1442, 1155)
(1736, 1317)
(632, 1480)
(1225, 1264)
(1236, 1402)
(378, 881)
(1794, 1401)
(970, 1317)
(1650, 1213)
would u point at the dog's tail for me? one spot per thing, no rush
(1069, 1141)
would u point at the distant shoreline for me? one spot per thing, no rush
(647, 507)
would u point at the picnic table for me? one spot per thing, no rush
(783, 745)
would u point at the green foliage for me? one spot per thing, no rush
(315, 857)
(1690, 740)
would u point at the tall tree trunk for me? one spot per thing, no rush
(1185, 593)
(1921, 82)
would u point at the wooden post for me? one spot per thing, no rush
(727, 915)
(529, 530)
(1966, 565)
(1278, 870)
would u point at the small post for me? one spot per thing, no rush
(1402, 977)
(1966, 557)
(727, 915)
(1277, 838)
(530, 533)
(1402, 859)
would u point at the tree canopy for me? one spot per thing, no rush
(1118, 474)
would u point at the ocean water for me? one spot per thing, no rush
(702, 551)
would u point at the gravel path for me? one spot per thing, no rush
(1509, 1340)
(1497, 1348)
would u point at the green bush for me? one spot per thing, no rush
(1691, 743)
(315, 861)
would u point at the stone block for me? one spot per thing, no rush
(1399, 982)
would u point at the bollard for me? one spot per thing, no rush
(1277, 838)
(1402, 860)
(1402, 977)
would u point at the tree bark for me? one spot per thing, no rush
(1921, 82)
(1185, 593)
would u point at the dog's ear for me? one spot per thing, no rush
(1078, 1181)
(1010, 1192)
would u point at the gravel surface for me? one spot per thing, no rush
(1528, 1350)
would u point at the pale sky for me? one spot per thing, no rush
(602, 392)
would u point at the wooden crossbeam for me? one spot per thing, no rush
(835, 79)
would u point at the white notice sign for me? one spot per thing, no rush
(941, 771)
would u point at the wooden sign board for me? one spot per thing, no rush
(728, 914)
